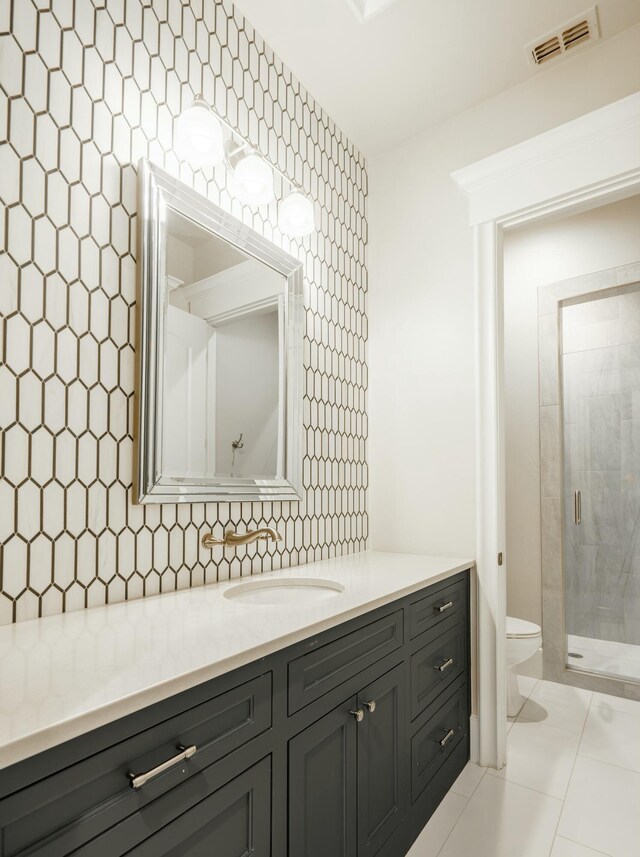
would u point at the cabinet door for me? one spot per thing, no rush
(382, 760)
(234, 821)
(322, 786)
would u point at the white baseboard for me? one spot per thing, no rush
(474, 738)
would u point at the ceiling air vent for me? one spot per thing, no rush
(547, 50)
(579, 31)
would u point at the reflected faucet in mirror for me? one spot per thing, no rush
(231, 539)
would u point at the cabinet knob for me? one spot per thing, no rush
(370, 705)
(445, 666)
(358, 714)
(446, 606)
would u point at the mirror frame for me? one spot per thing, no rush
(157, 190)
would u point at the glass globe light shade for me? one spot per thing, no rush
(295, 215)
(253, 181)
(199, 135)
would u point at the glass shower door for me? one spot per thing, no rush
(600, 361)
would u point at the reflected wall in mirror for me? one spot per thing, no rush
(220, 353)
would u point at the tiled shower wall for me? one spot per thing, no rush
(86, 89)
(601, 391)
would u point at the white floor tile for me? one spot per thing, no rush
(503, 819)
(601, 808)
(566, 848)
(557, 705)
(468, 780)
(613, 737)
(616, 703)
(539, 757)
(440, 825)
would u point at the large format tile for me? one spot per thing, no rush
(468, 780)
(613, 737)
(440, 825)
(616, 703)
(540, 757)
(566, 848)
(503, 819)
(557, 705)
(601, 808)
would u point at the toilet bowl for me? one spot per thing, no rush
(523, 641)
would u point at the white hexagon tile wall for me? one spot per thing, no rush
(86, 89)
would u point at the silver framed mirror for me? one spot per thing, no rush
(219, 356)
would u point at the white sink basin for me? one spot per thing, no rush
(291, 590)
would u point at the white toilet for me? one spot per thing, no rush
(523, 641)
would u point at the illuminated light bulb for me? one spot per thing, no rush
(295, 215)
(253, 181)
(199, 137)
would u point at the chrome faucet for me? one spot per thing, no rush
(232, 539)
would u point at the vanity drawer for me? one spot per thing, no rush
(432, 745)
(320, 670)
(437, 606)
(60, 813)
(438, 664)
(233, 821)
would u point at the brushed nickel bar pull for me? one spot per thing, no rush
(138, 780)
(577, 507)
(446, 606)
(445, 666)
(447, 737)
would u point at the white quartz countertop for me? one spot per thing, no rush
(63, 675)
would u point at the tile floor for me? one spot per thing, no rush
(571, 787)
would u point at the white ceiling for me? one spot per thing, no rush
(418, 61)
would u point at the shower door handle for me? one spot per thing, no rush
(577, 507)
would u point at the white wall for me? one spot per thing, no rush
(536, 256)
(421, 404)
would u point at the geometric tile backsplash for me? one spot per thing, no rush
(86, 89)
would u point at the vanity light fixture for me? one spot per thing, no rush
(295, 215)
(200, 140)
(199, 137)
(253, 180)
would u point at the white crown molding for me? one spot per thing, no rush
(583, 153)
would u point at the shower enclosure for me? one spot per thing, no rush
(590, 480)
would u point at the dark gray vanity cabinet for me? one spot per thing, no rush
(383, 770)
(233, 821)
(342, 744)
(348, 774)
(322, 779)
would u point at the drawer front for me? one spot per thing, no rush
(319, 671)
(234, 821)
(435, 666)
(84, 799)
(434, 608)
(437, 739)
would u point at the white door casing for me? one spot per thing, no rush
(188, 442)
(582, 164)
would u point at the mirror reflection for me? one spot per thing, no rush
(223, 397)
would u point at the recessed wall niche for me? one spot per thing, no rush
(87, 88)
